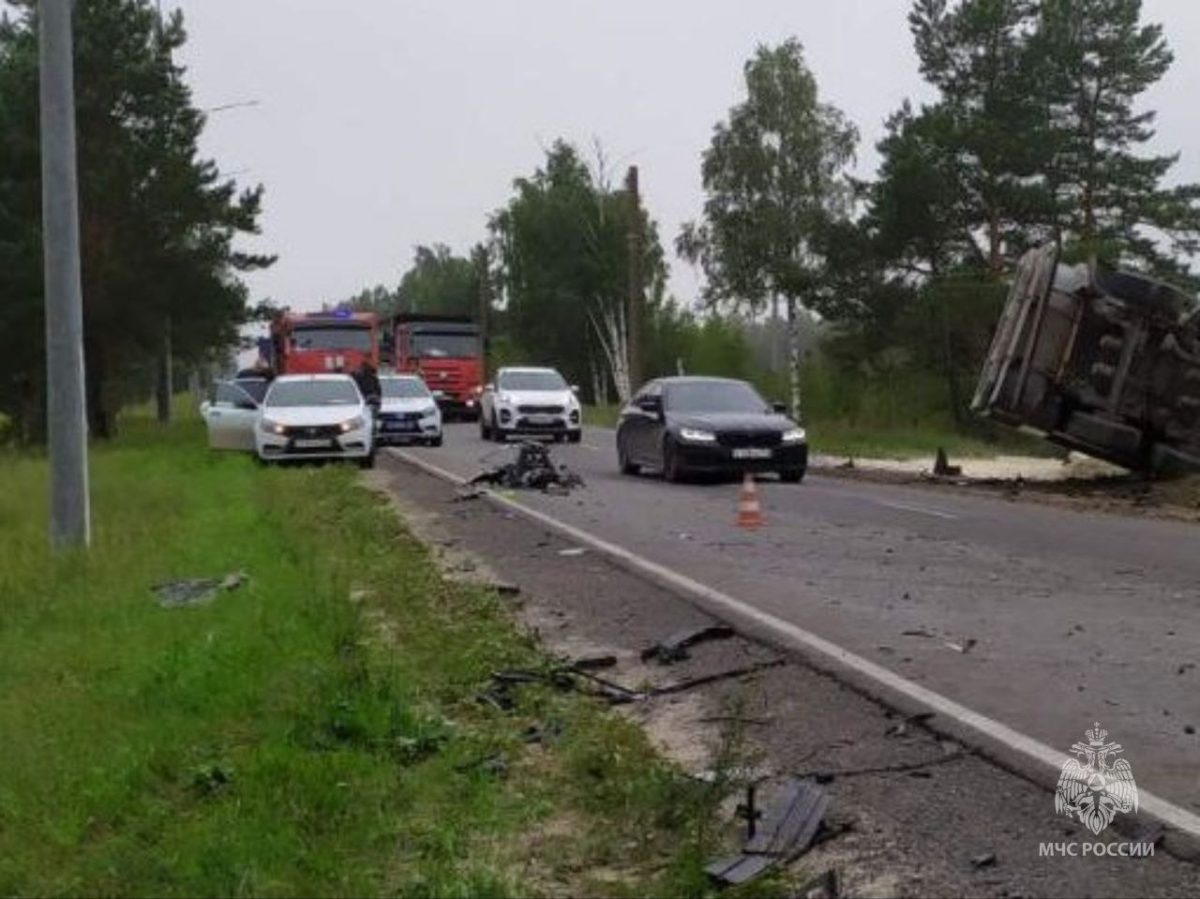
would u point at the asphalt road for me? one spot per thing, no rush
(1077, 618)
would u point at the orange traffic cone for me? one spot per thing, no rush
(749, 512)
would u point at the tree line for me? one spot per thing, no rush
(1036, 133)
(157, 221)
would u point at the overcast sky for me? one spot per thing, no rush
(387, 123)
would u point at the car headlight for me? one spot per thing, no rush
(795, 435)
(695, 435)
(271, 427)
(428, 411)
(352, 425)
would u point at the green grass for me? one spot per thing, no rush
(284, 739)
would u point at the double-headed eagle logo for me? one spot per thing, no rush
(1095, 786)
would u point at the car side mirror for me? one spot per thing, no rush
(574, 388)
(779, 408)
(652, 405)
(489, 386)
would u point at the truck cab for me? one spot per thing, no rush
(447, 352)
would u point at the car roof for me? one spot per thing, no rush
(698, 379)
(397, 376)
(525, 369)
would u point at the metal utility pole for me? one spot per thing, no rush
(66, 412)
(636, 298)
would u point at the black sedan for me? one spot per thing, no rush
(684, 425)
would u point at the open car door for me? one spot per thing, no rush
(231, 417)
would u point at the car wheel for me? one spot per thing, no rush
(485, 433)
(367, 461)
(436, 441)
(792, 475)
(498, 435)
(575, 436)
(627, 467)
(672, 471)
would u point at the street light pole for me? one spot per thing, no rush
(66, 412)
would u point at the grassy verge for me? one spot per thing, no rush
(314, 732)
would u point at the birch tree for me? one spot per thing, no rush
(774, 179)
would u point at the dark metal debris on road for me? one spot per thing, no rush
(196, 591)
(784, 831)
(533, 469)
(674, 648)
(986, 860)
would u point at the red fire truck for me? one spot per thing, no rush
(447, 352)
(319, 342)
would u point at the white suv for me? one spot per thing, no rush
(529, 401)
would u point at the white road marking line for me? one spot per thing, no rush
(921, 510)
(1047, 758)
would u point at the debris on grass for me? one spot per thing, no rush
(196, 591)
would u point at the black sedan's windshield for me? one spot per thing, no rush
(531, 380)
(714, 396)
(403, 388)
(313, 393)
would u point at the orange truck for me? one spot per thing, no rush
(447, 352)
(321, 342)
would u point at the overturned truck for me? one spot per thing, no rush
(1104, 362)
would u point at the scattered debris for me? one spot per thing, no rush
(942, 467)
(1149, 834)
(786, 831)
(543, 733)
(533, 469)
(823, 886)
(572, 551)
(964, 647)
(504, 588)
(1185, 667)
(694, 682)
(593, 663)
(463, 495)
(983, 861)
(196, 591)
(917, 632)
(674, 648)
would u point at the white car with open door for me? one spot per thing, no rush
(230, 416)
(315, 417)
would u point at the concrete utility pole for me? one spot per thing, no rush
(66, 413)
(636, 297)
(483, 313)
